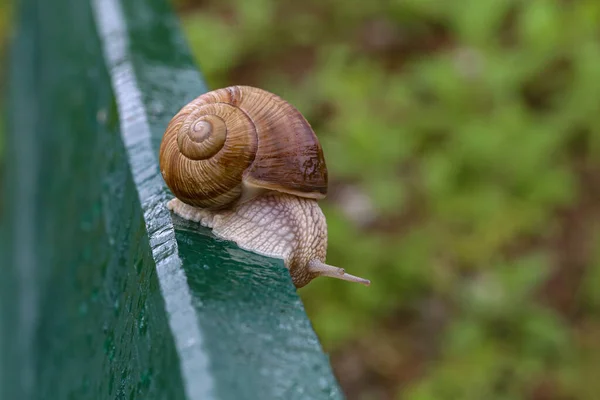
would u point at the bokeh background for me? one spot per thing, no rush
(463, 144)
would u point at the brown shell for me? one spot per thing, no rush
(232, 141)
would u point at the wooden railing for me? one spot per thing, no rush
(104, 294)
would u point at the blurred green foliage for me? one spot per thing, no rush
(463, 141)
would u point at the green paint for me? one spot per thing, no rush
(89, 325)
(260, 343)
(103, 297)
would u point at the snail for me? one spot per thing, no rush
(247, 164)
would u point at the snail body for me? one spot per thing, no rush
(247, 164)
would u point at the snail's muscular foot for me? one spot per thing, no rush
(205, 217)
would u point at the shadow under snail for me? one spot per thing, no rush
(247, 164)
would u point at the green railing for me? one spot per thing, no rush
(106, 295)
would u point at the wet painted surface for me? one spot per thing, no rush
(104, 296)
(90, 320)
(260, 342)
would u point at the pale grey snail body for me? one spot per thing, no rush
(245, 163)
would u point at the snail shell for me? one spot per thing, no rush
(230, 145)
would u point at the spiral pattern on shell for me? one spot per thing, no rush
(239, 139)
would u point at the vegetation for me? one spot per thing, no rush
(462, 140)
